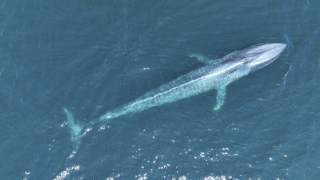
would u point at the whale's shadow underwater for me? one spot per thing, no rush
(215, 74)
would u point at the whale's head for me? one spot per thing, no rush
(261, 55)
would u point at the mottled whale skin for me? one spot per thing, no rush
(216, 74)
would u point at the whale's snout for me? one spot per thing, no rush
(264, 54)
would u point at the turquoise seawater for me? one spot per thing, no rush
(94, 56)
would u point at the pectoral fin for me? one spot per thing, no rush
(220, 97)
(204, 59)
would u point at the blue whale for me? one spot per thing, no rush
(215, 74)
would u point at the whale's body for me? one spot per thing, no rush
(209, 77)
(217, 74)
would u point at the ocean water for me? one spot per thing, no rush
(94, 56)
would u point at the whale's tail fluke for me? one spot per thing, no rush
(75, 129)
